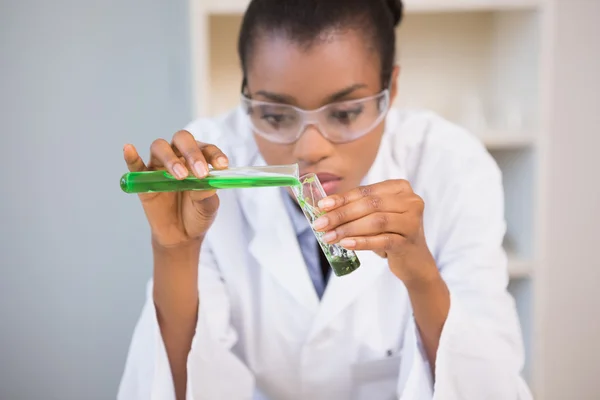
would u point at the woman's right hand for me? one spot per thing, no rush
(179, 218)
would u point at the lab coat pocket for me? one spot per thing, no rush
(376, 380)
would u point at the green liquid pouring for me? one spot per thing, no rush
(342, 261)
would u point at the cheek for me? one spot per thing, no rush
(360, 155)
(364, 150)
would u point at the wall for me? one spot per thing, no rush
(78, 79)
(570, 327)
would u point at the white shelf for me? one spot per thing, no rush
(520, 269)
(225, 6)
(411, 6)
(506, 141)
(435, 6)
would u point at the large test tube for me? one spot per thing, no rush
(231, 178)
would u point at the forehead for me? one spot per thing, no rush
(311, 73)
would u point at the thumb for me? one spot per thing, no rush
(198, 197)
(200, 209)
(133, 159)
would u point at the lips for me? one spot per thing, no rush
(331, 187)
(325, 177)
(329, 181)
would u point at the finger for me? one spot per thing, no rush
(133, 159)
(162, 155)
(372, 224)
(384, 243)
(185, 144)
(214, 155)
(364, 206)
(394, 186)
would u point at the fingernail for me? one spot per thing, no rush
(222, 161)
(200, 169)
(329, 236)
(320, 223)
(180, 171)
(326, 203)
(348, 243)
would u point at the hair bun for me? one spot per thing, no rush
(397, 9)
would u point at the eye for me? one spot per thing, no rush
(277, 119)
(273, 118)
(346, 116)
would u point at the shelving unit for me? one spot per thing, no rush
(478, 63)
(412, 6)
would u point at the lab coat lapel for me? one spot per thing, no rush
(341, 292)
(274, 244)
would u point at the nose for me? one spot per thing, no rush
(312, 147)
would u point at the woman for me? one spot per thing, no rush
(242, 305)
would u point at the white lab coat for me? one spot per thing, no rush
(262, 332)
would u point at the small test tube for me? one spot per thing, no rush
(308, 194)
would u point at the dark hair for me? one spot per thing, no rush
(303, 22)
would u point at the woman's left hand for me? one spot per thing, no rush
(386, 218)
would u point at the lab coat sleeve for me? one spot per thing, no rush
(480, 354)
(214, 372)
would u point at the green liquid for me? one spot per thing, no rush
(342, 261)
(344, 266)
(162, 181)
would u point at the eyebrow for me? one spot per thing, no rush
(345, 92)
(286, 99)
(277, 97)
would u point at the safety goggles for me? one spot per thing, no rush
(339, 122)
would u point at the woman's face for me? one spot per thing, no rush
(338, 68)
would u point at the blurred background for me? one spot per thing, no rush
(80, 79)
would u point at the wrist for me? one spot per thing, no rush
(180, 254)
(423, 282)
(175, 274)
(421, 276)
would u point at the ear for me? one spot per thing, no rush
(394, 83)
